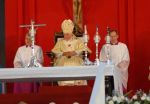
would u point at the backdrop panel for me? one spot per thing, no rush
(129, 17)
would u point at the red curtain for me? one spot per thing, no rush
(130, 17)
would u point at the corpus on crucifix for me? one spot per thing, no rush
(77, 12)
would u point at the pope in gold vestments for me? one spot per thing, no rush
(68, 51)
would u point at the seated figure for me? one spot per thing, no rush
(68, 51)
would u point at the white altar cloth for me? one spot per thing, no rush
(64, 73)
(48, 73)
(98, 93)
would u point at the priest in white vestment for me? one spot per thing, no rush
(69, 51)
(22, 59)
(119, 56)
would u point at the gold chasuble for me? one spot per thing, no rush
(64, 46)
(76, 45)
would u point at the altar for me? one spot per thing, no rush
(64, 73)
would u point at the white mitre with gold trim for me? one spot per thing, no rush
(67, 26)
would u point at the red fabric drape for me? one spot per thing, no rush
(130, 17)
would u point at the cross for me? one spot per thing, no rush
(32, 31)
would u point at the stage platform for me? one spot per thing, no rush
(47, 94)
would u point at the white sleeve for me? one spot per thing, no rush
(40, 55)
(17, 60)
(57, 49)
(123, 67)
(126, 56)
(125, 59)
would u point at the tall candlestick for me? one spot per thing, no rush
(86, 39)
(85, 36)
(97, 40)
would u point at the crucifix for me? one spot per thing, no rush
(77, 13)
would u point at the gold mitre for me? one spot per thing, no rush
(67, 26)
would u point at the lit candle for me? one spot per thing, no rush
(85, 37)
(97, 37)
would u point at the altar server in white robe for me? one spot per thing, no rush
(119, 56)
(68, 51)
(22, 59)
